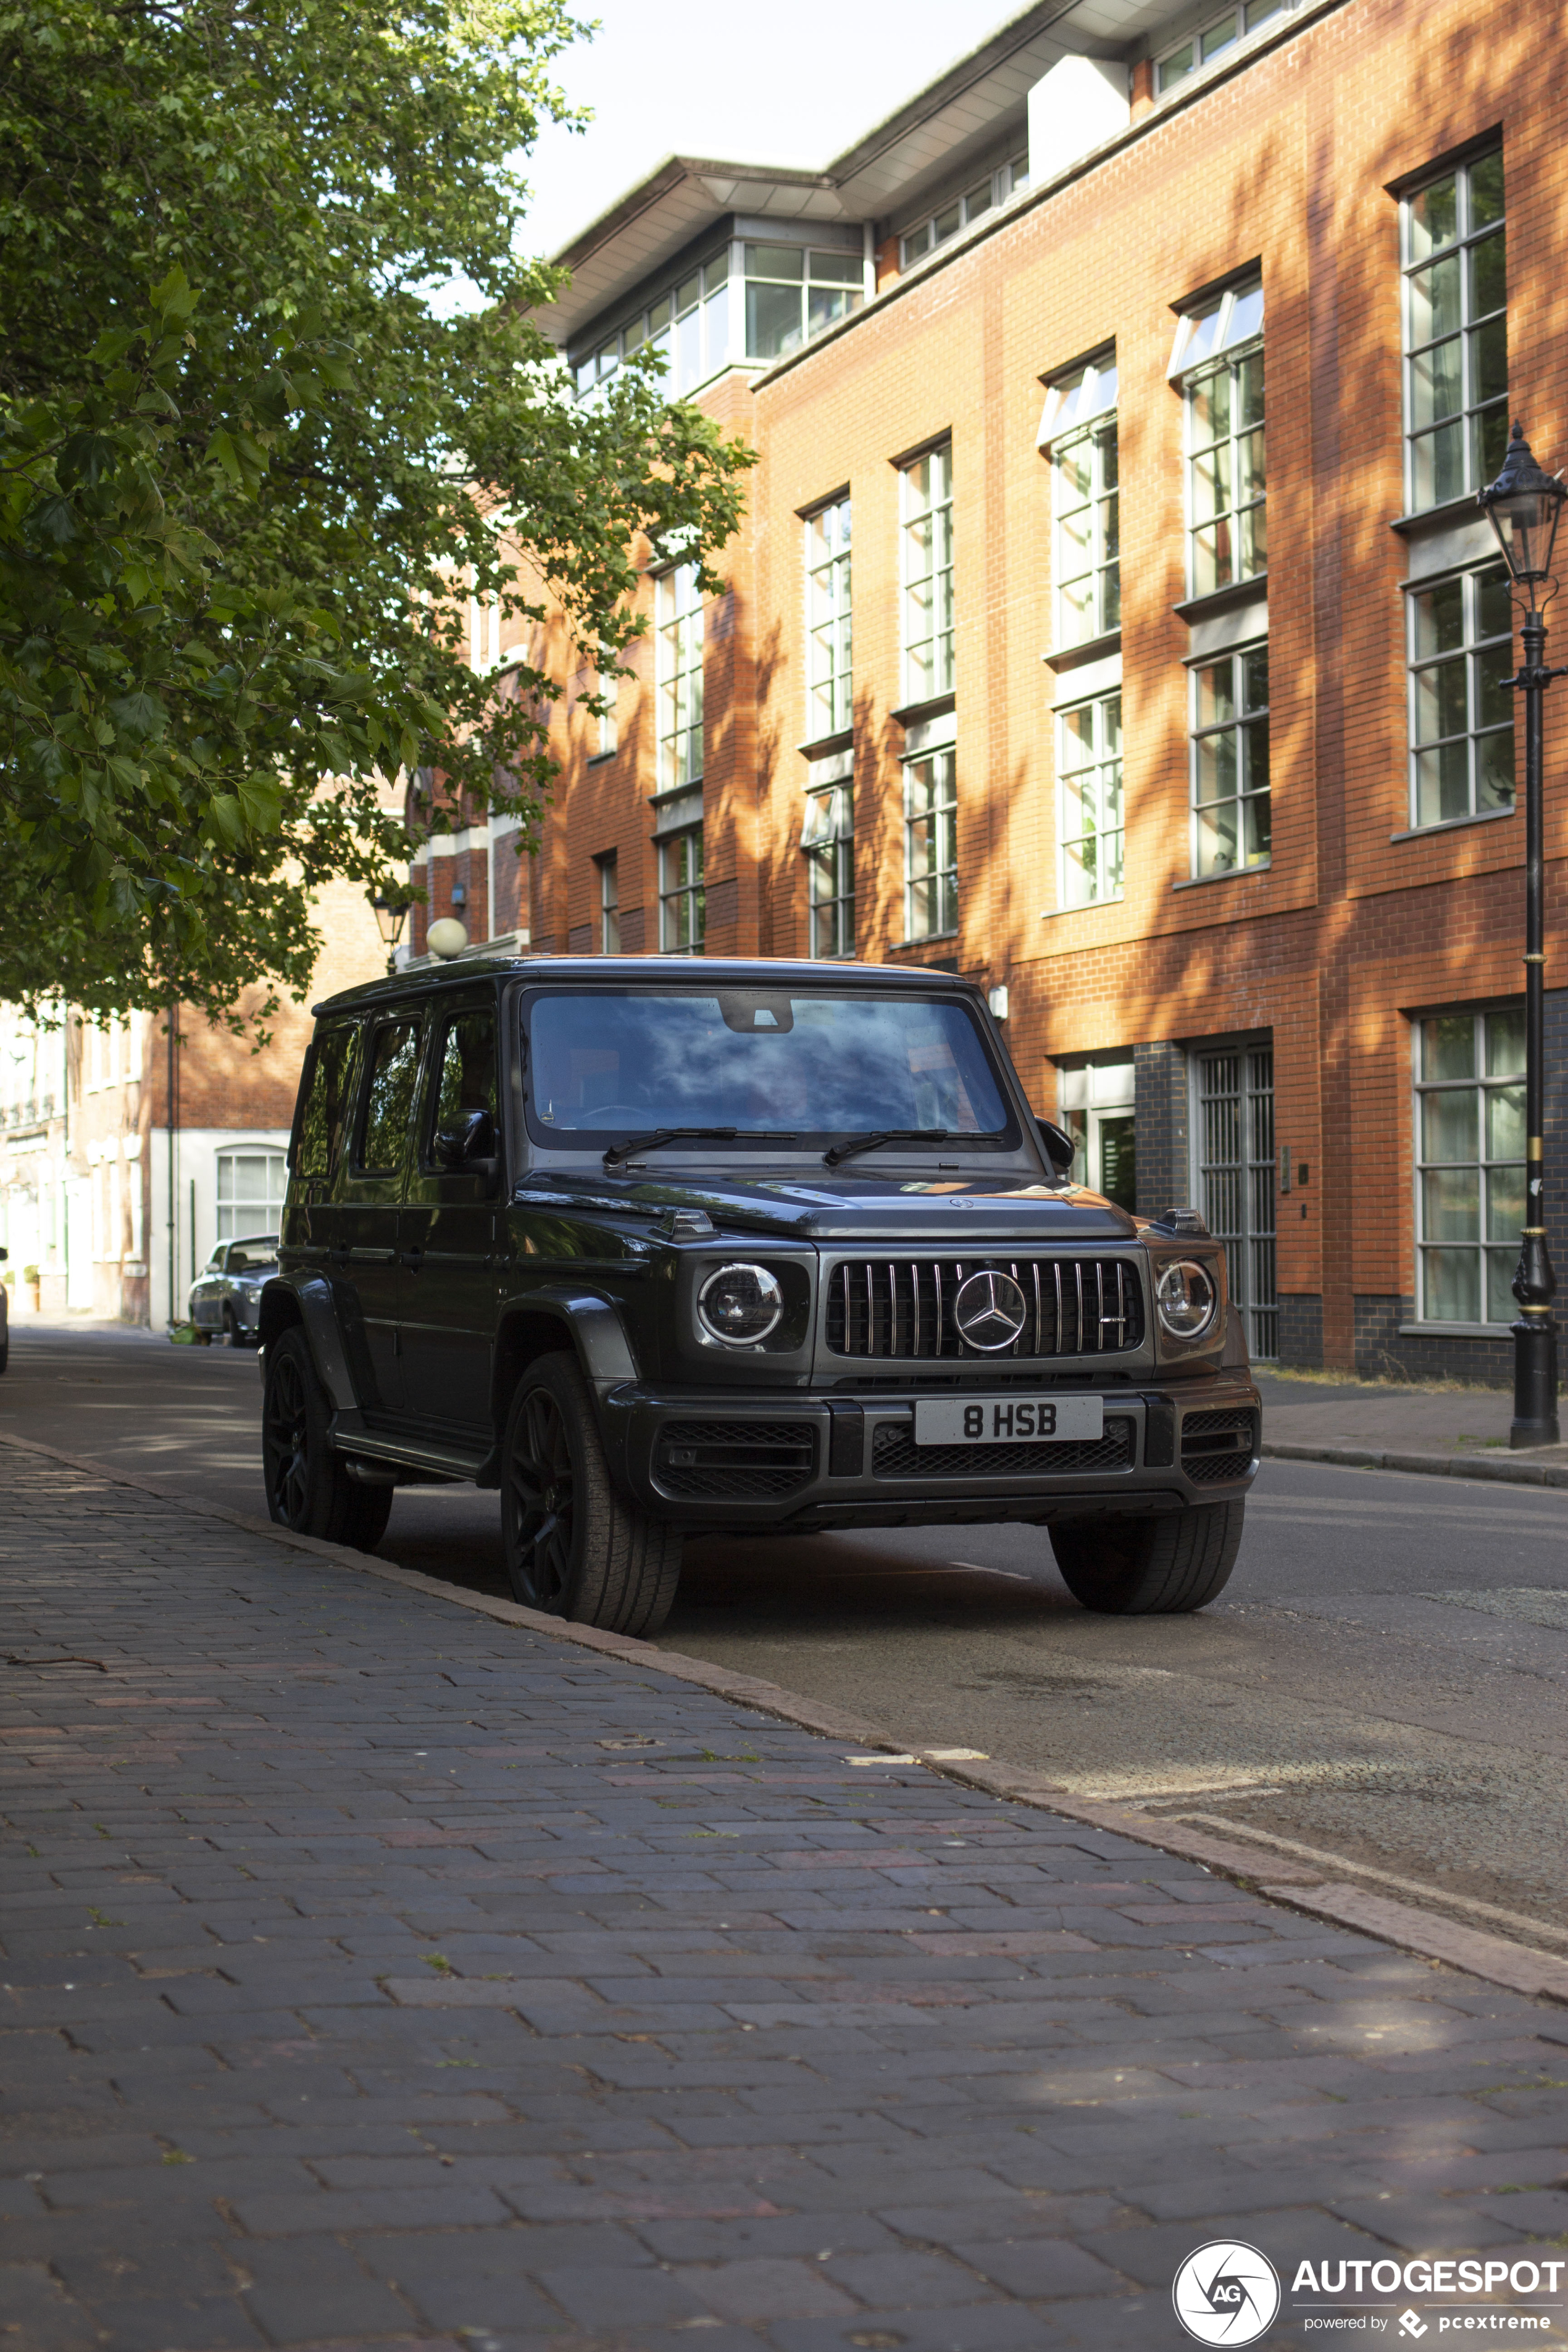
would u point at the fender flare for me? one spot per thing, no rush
(307, 1301)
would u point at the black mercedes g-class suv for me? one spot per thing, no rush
(671, 1245)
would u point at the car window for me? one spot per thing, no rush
(389, 1097)
(814, 1061)
(326, 1104)
(466, 1073)
(238, 1260)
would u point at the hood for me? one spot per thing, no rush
(960, 1208)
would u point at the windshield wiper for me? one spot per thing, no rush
(618, 1154)
(854, 1143)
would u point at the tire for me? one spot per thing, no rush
(308, 1486)
(1164, 1567)
(5, 1350)
(574, 1549)
(231, 1337)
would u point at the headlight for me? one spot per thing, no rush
(739, 1305)
(1186, 1297)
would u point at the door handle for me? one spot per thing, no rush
(412, 1258)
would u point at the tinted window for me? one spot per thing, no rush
(327, 1102)
(466, 1079)
(389, 1100)
(815, 1063)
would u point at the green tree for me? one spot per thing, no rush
(252, 468)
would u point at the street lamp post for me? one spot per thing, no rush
(1523, 506)
(391, 914)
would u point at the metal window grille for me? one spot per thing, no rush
(1236, 1178)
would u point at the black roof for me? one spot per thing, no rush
(742, 971)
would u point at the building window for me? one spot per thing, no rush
(1236, 1178)
(1469, 1166)
(927, 496)
(610, 904)
(994, 189)
(1221, 33)
(828, 838)
(681, 914)
(1461, 724)
(688, 327)
(1230, 762)
(250, 1188)
(1089, 778)
(793, 293)
(1095, 1104)
(829, 649)
(678, 622)
(1218, 358)
(1080, 425)
(604, 685)
(931, 845)
(1456, 333)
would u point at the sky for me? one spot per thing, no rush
(707, 77)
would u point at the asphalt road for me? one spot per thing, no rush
(1384, 1678)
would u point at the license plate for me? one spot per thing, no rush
(1002, 1420)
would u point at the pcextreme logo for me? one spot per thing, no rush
(1226, 2293)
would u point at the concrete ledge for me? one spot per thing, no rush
(1512, 1470)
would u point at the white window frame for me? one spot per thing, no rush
(1479, 417)
(1223, 31)
(1246, 719)
(1096, 814)
(827, 840)
(1496, 1246)
(679, 632)
(1089, 1095)
(248, 1216)
(931, 856)
(682, 896)
(701, 293)
(607, 868)
(981, 196)
(925, 560)
(832, 282)
(1232, 348)
(829, 621)
(1481, 652)
(1080, 414)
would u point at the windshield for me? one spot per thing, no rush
(609, 1063)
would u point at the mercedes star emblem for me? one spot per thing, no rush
(989, 1311)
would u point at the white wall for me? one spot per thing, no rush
(196, 1165)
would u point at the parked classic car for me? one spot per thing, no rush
(670, 1245)
(226, 1296)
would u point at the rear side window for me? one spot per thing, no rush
(389, 1099)
(466, 1076)
(326, 1103)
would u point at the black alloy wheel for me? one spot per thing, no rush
(539, 1502)
(309, 1488)
(575, 1547)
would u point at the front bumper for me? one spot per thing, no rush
(791, 1460)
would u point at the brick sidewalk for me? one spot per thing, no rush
(743, 2039)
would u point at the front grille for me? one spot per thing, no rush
(895, 1455)
(1217, 1446)
(737, 1459)
(904, 1306)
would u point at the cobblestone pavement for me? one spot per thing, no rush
(742, 2037)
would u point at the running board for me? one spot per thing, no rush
(417, 1454)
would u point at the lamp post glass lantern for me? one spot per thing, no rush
(1524, 505)
(391, 914)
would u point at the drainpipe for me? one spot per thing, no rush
(174, 1193)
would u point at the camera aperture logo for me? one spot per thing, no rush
(1226, 2293)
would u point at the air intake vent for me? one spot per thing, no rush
(1217, 1446)
(735, 1458)
(919, 1309)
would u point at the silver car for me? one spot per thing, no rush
(226, 1296)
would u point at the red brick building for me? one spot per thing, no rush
(1113, 622)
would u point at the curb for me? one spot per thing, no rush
(1505, 1472)
(1496, 1959)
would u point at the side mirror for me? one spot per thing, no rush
(5, 1253)
(1057, 1145)
(465, 1140)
